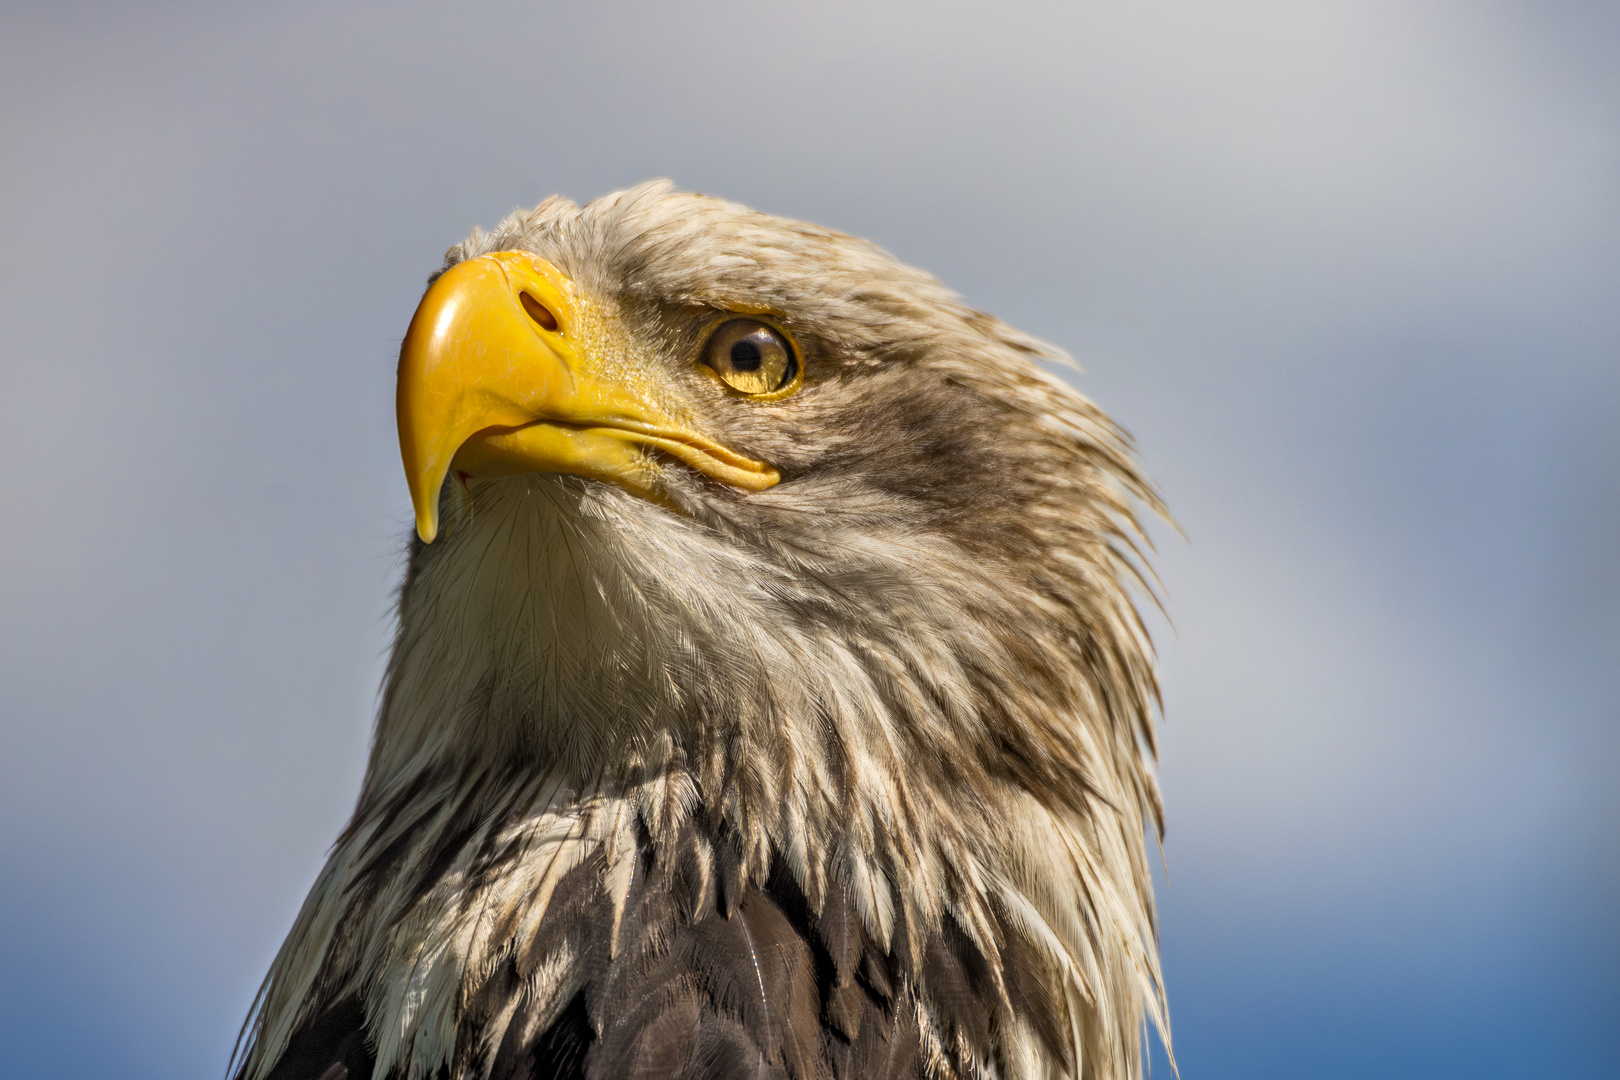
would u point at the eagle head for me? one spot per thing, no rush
(768, 692)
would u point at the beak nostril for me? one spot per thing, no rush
(538, 311)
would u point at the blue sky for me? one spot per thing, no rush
(1349, 272)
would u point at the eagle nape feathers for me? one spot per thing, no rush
(768, 698)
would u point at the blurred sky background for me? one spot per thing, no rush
(1349, 271)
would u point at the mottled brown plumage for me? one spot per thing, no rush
(843, 778)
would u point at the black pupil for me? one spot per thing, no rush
(745, 356)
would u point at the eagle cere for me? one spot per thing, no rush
(768, 695)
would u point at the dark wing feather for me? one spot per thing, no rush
(702, 986)
(699, 986)
(332, 1047)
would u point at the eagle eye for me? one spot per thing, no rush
(751, 356)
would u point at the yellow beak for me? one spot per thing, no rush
(503, 371)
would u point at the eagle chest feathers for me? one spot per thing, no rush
(768, 696)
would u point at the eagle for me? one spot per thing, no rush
(770, 695)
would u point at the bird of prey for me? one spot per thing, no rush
(769, 695)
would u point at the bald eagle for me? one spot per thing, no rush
(769, 696)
